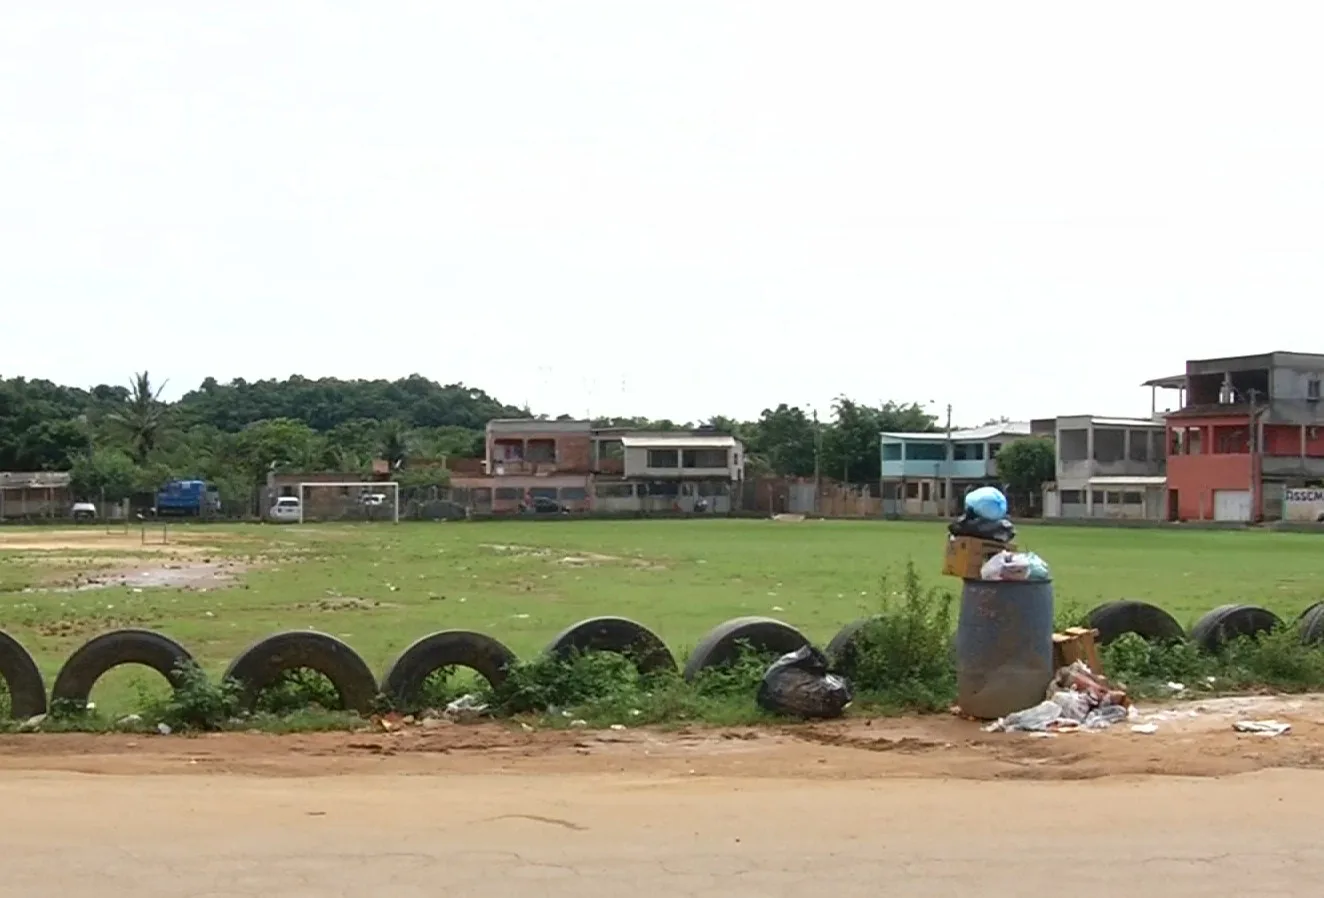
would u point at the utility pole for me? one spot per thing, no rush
(818, 462)
(947, 483)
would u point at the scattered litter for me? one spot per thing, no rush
(525, 727)
(1145, 729)
(32, 724)
(466, 707)
(618, 726)
(1040, 718)
(1177, 687)
(1076, 699)
(579, 723)
(1262, 727)
(129, 720)
(798, 684)
(163, 729)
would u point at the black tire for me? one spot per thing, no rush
(841, 650)
(615, 634)
(73, 684)
(259, 666)
(1228, 622)
(404, 677)
(27, 690)
(722, 644)
(1150, 622)
(1310, 624)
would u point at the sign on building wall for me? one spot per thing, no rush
(1303, 504)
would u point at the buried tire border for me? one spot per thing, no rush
(722, 643)
(614, 634)
(1226, 622)
(259, 666)
(404, 677)
(22, 677)
(106, 651)
(1121, 616)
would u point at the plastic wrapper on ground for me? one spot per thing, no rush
(1014, 566)
(798, 684)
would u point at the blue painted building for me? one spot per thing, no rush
(916, 466)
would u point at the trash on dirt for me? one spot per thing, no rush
(1014, 566)
(1177, 687)
(617, 726)
(1145, 729)
(1262, 727)
(32, 724)
(163, 729)
(799, 684)
(466, 707)
(1076, 698)
(129, 720)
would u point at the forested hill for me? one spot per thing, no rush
(121, 439)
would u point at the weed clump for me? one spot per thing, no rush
(1277, 661)
(902, 656)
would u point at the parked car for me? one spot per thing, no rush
(285, 511)
(547, 505)
(373, 498)
(84, 511)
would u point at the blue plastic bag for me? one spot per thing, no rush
(987, 502)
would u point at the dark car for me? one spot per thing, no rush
(545, 505)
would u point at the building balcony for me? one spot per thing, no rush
(980, 469)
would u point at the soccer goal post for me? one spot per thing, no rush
(350, 501)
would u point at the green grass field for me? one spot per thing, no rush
(379, 587)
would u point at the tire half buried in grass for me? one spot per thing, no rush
(724, 642)
(615, 634)
(1150, 622)
(73, 684)
(1228, 622)
(27, 690)
(405, 677)
(261, 664)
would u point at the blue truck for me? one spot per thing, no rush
(188, 498)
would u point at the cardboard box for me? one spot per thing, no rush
(966, 555)
(1076, 644)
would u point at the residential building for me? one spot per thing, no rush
(916, 467)
(1247, 429)
(605, 469)
(35, 494)
(1107, 468)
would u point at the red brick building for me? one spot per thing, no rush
(1247, 429)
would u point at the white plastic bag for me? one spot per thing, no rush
(1014, 566)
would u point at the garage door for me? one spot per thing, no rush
(1231, 505)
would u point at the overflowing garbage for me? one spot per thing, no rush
(980, 547)
(1076, 698)
(798, 684)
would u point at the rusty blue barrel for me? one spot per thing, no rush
(1004, 646)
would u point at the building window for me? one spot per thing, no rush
(508, 450)
(1072, 497)
(541, 452)
(611, 449)
(287, 491)
(926, 452)
(663, 458)
(509, 493)
(968, 452)
(1139, 449)
(1097, 497)
(614, 490)
(481, 495)
(994, 449)
(912, 490)
(1133, 498)
(891, 452)
(1113, 497)
(714, 488)
(1312, 388)
(573, 493)
(703, 458)
(543, 492)
(665, 489)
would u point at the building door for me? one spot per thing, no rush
(1232, 505)
(1174, 505)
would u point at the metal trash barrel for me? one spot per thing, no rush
(1004, 646)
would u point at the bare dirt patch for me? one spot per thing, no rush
(93, 539)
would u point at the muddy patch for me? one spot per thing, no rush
(198, 577)
(345, 603)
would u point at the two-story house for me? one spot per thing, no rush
(917, 467)
(611, 469)
(1107, 468)
(1247, 429)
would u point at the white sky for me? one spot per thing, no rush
(676, 209)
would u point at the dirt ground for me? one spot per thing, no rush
(898, 807)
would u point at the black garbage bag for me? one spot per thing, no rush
(799, 685)
(973, 525)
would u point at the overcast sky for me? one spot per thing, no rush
(676, 209)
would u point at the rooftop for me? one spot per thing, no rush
(1109, 421)
(974, 434)
(668, 441)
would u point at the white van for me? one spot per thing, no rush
(285, 511)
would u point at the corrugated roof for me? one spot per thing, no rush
(1126, 422)
(678, 442)
(36, 480)
(1012, 428)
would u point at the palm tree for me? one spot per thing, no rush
(141, 417)
(395, 446)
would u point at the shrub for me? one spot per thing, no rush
(298, 690)
(903, 656)
(196, 703)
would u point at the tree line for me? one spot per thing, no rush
(122, 440)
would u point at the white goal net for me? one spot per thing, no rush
(377, 501)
